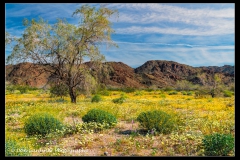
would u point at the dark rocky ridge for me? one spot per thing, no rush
(225, 69)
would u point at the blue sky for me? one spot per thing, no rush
(197, 34)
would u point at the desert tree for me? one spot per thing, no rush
(215, 85)
(9, 38)
(64, 48)
(184, 85)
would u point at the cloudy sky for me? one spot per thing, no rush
(197, 34)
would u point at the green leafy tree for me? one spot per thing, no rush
(63, 48)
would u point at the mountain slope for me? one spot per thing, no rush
(159, 73)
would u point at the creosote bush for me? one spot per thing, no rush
(100, 116)
(159, 120)
(217, 144)
(96, 98)
(184, 93)
(173, 93)
(189, 93)
(227, 93)
(41, 124)
(120, 99)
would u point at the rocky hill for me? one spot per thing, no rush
(159, 73)
(225, 69)
(27, 73)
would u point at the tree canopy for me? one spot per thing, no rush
(64, 47)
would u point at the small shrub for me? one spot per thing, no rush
(189, 93)
(99, 116)
(96, 98)
(159, 120)
(41, 124)
(119, 100)
(201, 94)
(218, 144)
(184, 93)
(11, 88)
(149, 89)
(128, 90)
(138, 93)
(13, 149)
(61, 100)
(22, 89)
(168, 89)
(173, 93)
(163, 96)
(227, 93)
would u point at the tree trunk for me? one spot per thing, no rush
(212, 94)
(72, 95)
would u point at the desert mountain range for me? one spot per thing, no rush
(159, 73)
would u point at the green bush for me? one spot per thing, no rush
(173, 93)
(11, 88)
(168, 89)
(148, 89)
(13, 149)
(163, 96)
(22, 89)
(119, 100)
(189, 93)
(96, 98)
(159, 120)
(60, 100)
(99, 116)
(201, 94)
(227, 93)
(138, 93)
(184, 92)
(128, 90)
(41, 124)
(218, 144)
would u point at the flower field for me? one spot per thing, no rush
(197, 117)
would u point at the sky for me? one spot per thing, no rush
(195, 34)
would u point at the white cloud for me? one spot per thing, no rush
(175, 30)
(135, 54)
(205, 21)
(177, 11)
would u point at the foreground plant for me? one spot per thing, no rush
(218, 144)
(100, 116)
(159, 120)
(42, 124)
